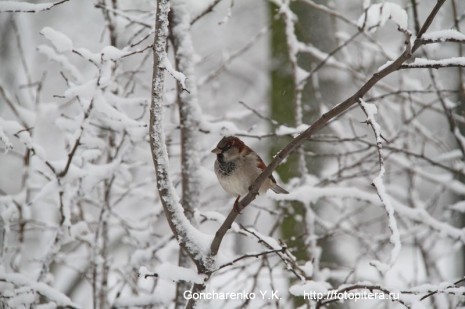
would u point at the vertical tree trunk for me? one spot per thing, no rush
(461, 111)
(310, 27)
(189, 116)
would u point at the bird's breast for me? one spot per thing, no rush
(226, 168)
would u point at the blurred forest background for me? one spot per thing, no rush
(81, 217)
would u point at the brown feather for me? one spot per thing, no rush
(261, 165)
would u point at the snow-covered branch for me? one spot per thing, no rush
(192, 240)
(370, 111)
(87, 221)
(26, 7)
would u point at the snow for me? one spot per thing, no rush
(371, 111)
(320, 55)
(423, 62)
(124, 101)
(67, 124)
(395, 236)
(112, 53)
(45, 191)
(195, 7)
(444, 179)
(109, 114)
(84, 91)
(448, 156)
(189, 108)
(307, 193)
(449, 103)
(8, 127)
(87, 54)
(175, 273)
(366, 4)
(459, 206)
(105, 74)
(140, 301)
(59, 40)
(62, 60)
(91, 154)
(443, 35)
(24, 297)
(388, 63)
(195, 241)
(223, 127)
(218, 217)
(458, 135)
(285, 130)
(291, 38)
(52, 294)
(97, 173)
(378, 14)
(269, 241)
(180, 77)
(308, 269)
(79, 229)
(17, 6)
(46, 306)
(381, 266)
(309, 287)
(418, 305)
(112, 173)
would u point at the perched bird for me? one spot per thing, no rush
(237, 166)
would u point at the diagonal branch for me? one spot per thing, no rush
(184, 232)
(320, 123)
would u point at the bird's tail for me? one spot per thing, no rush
(277, 189)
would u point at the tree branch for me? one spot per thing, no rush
(320, 123)
(187, 236)
(189, 115)
(25, 7)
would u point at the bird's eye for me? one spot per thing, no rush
(226, 147)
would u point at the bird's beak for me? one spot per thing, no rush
(216, 150)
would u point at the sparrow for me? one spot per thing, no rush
(237, 166)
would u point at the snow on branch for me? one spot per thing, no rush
(26, 7)
(318, 124)
(378, 14)
(172, 272)
(422, 63)
(190, 116)
(70, 68)
(449, 35)
(180, 77)
(59, 40)
(8, 127)
(370, 111)
(43, 289)
(192, 240)
(307, 193)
